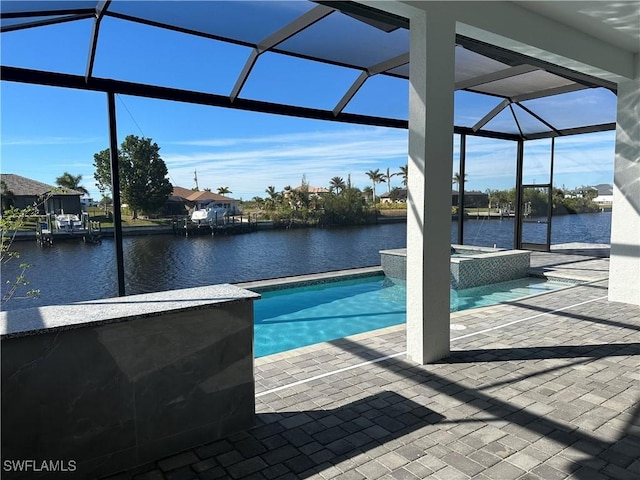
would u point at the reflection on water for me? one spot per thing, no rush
(73, 271)
(586, 227)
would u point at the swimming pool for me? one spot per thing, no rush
(295, 317)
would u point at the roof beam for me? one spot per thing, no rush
(515, 118)
(373, 70)
(44, 23)
(389, 64)
(38, 77)
(48, 13)
(356, 9)
(496, 110)
(513, 58)
(603, 127)
(101, 9)
(573, 87)
(353, 89)
(303, 21)
(234, 41)
(244, 74)
(495, 76)
(540, 119)
(486, 134)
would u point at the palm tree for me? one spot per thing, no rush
(404, 173)
(224, 190)
(271, 191)
(376, 177)
(459, 180)
(387, 178)
(274, 198)
(337, 184)
(72, 182)
(491, 196)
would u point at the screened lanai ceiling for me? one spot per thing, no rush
(252, 52)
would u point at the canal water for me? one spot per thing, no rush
(73, 271)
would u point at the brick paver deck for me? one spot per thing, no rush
(542, 388)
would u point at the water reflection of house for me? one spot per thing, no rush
(21, 192)
(184, 200)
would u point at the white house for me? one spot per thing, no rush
(605, 194)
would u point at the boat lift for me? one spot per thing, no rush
(50, 228)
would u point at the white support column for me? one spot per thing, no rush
(624, 267)
(432, 60)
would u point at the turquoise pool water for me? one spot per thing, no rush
(295, 317)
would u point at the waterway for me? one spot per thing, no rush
(73, 271)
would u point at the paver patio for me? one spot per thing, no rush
(546, 387)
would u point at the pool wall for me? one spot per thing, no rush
(472, 267)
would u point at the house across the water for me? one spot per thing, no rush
(21, 192)
(472, 199)
(313, 191)
(605, 194)
(397, 195)
(184, 200)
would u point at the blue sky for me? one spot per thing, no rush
(46, 131)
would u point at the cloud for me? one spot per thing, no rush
(578, 160)
(332, 136)
(249, 165)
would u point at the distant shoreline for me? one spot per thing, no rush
(169, 229)
(261, 225)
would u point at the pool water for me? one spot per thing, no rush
(295, 317)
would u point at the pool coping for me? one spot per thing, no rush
(272, 284)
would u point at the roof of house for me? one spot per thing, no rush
(182, 192)
(198, 196)
(401, 192)
(604, 189)
(22, 186)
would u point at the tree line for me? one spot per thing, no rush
(536, 200)
(341, 204)
(144, 186)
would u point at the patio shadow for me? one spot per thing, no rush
(302, 443)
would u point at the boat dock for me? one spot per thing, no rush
(227, 225)
(50, 229)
